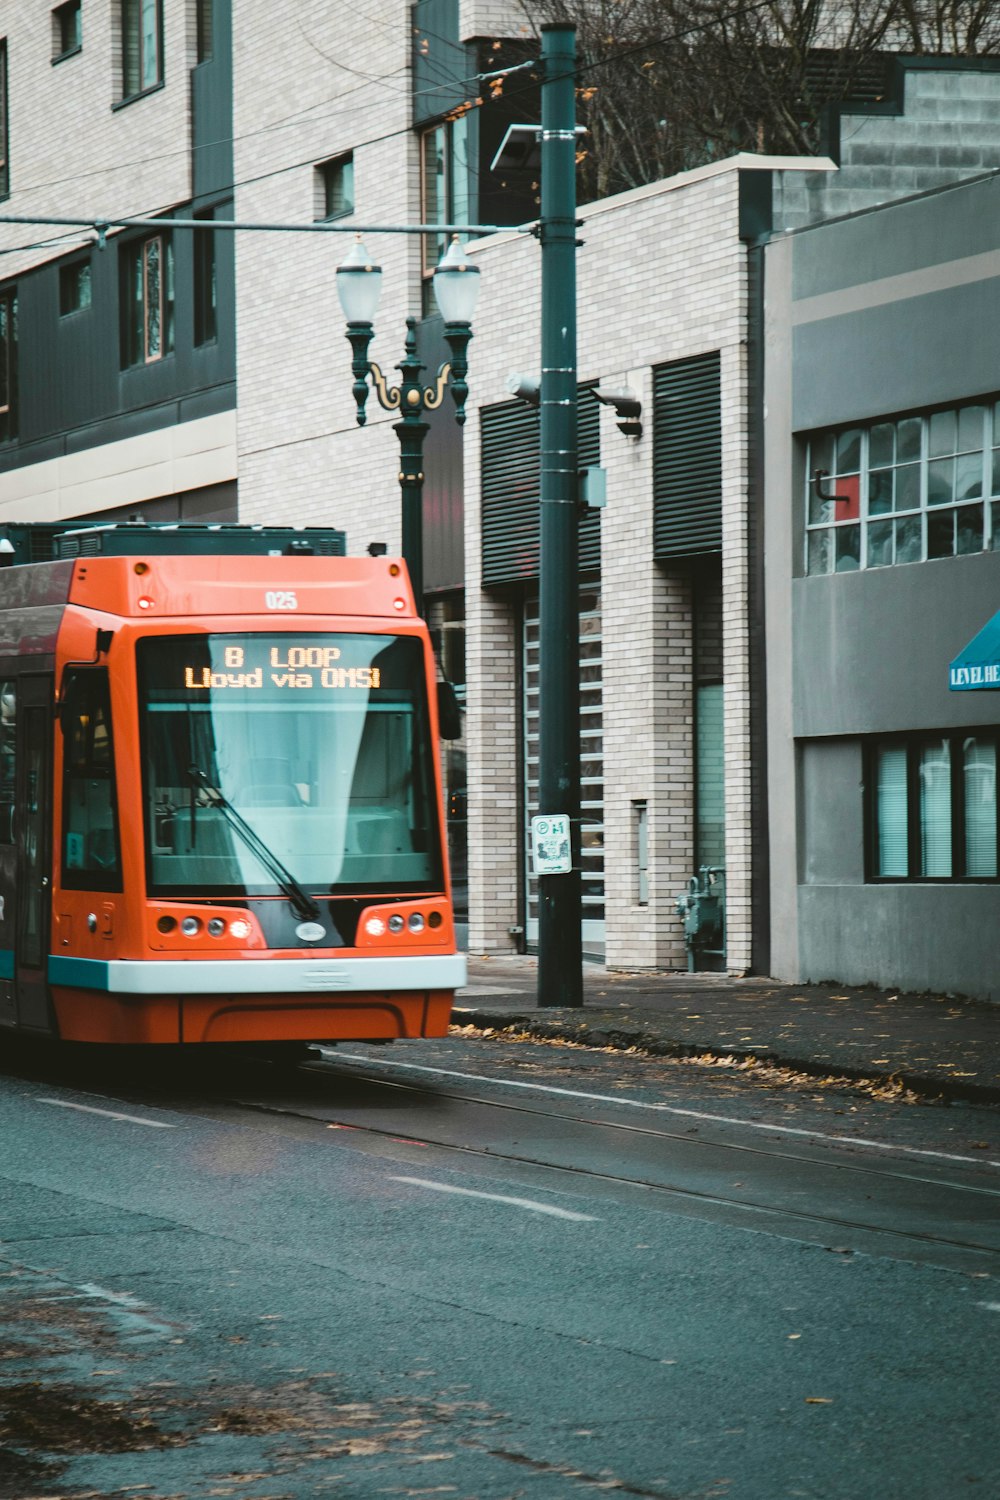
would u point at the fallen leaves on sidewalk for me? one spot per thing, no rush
(891, 1090)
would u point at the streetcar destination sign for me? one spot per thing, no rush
(286, 667)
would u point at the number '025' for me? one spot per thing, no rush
(281, 599)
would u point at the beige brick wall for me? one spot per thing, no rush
(683, 294)
(72, 153)
(338, 82)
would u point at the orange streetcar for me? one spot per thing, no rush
(220, 799)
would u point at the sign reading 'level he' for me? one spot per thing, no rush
(978, 665)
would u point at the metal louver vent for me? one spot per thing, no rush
(687, 458)
(510, 483)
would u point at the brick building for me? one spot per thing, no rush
(179, 372)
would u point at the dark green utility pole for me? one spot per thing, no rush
(560, 950)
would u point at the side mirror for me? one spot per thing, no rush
(449, 712)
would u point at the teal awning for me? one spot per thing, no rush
(978, 665)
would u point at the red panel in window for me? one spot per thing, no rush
(848, 494)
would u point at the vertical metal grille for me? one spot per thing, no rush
(687, 457)
(591, 764)
(510, 488)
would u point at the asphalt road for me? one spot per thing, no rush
(489, 1270)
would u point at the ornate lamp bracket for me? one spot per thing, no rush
(388, 397)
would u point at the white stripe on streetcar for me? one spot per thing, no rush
(529, 1203)
(670, 1109)
(110, 1114)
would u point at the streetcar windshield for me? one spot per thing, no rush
(320, 743)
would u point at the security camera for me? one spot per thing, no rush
(525, 387)
(627, 407)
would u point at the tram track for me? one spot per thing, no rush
(812, 1194)
(822, 1190)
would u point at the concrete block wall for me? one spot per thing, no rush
(684, 294)
(949, 130)
(493, 18)
(71, 152)
(302, 457)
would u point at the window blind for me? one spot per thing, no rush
(891, 811)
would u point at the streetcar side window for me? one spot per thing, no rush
(91, 858)
(8, 735)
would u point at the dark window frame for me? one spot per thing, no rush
(69, 279)
(205, 270)
(326, 172)
(8, 364)
(88, 767)
(63, 44)
(204, 30)
(134, 69)
(914, 743)
(4, 124)
(137, 344)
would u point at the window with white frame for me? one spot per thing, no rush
(904, 490)
(933, 806)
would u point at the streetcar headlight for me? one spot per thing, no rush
(240, 928)
(215, 927)
(416, 922)
(166, 924)
(190, 926)
(435, 919)
(375, 927)
(396, 923)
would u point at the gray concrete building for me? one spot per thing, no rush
(882, 519)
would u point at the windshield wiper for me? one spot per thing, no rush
(302, 903)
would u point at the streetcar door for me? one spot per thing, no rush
(33, 851)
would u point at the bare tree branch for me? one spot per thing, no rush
(666, 85)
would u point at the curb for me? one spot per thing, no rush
(925, 1085)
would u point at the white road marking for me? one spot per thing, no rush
(110, 1114)
(990, 1306)
(130, 1311)
(670, 1109)
(529, 1203)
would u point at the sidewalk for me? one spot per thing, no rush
(932, 1043)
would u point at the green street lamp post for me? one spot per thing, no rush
(456, 288)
